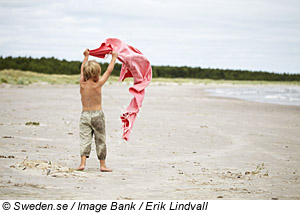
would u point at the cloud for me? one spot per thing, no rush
(255, 35)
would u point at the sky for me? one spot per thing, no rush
(257, 35)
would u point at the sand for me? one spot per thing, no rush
(186, 144)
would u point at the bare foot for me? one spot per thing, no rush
(80, 168)
(104, 169)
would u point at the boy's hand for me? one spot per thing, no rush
(114, 54)
(86, 53)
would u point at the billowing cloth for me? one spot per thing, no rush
(134, 64)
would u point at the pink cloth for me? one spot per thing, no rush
(135, 65)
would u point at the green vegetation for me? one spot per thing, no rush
(63, 67)
(220, 74)
(47, 65)
(10, 76)
(211, 81)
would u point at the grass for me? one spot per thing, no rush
(17, 77)
(10, 76)
(211, 81)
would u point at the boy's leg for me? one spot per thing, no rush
(82, 163)
(86, 135)
(98, 123)
(103, 167)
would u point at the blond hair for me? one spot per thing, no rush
(91, 69)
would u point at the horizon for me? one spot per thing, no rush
(250, 35)
(100, 60)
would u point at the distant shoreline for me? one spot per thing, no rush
(283, 95)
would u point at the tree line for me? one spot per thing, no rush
(56, 66)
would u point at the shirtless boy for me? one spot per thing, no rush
(92, 120)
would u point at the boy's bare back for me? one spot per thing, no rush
(91, 89)
(90, 95)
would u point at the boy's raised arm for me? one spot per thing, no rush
(86, 58)
(109, 69)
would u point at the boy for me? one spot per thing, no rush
(92, 121)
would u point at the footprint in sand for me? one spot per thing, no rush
(48, 168)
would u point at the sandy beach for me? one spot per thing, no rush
(186, 144)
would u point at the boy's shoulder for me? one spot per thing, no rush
(90, 83)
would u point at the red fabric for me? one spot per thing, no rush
(135, 65)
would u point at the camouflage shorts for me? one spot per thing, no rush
(92, 123)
